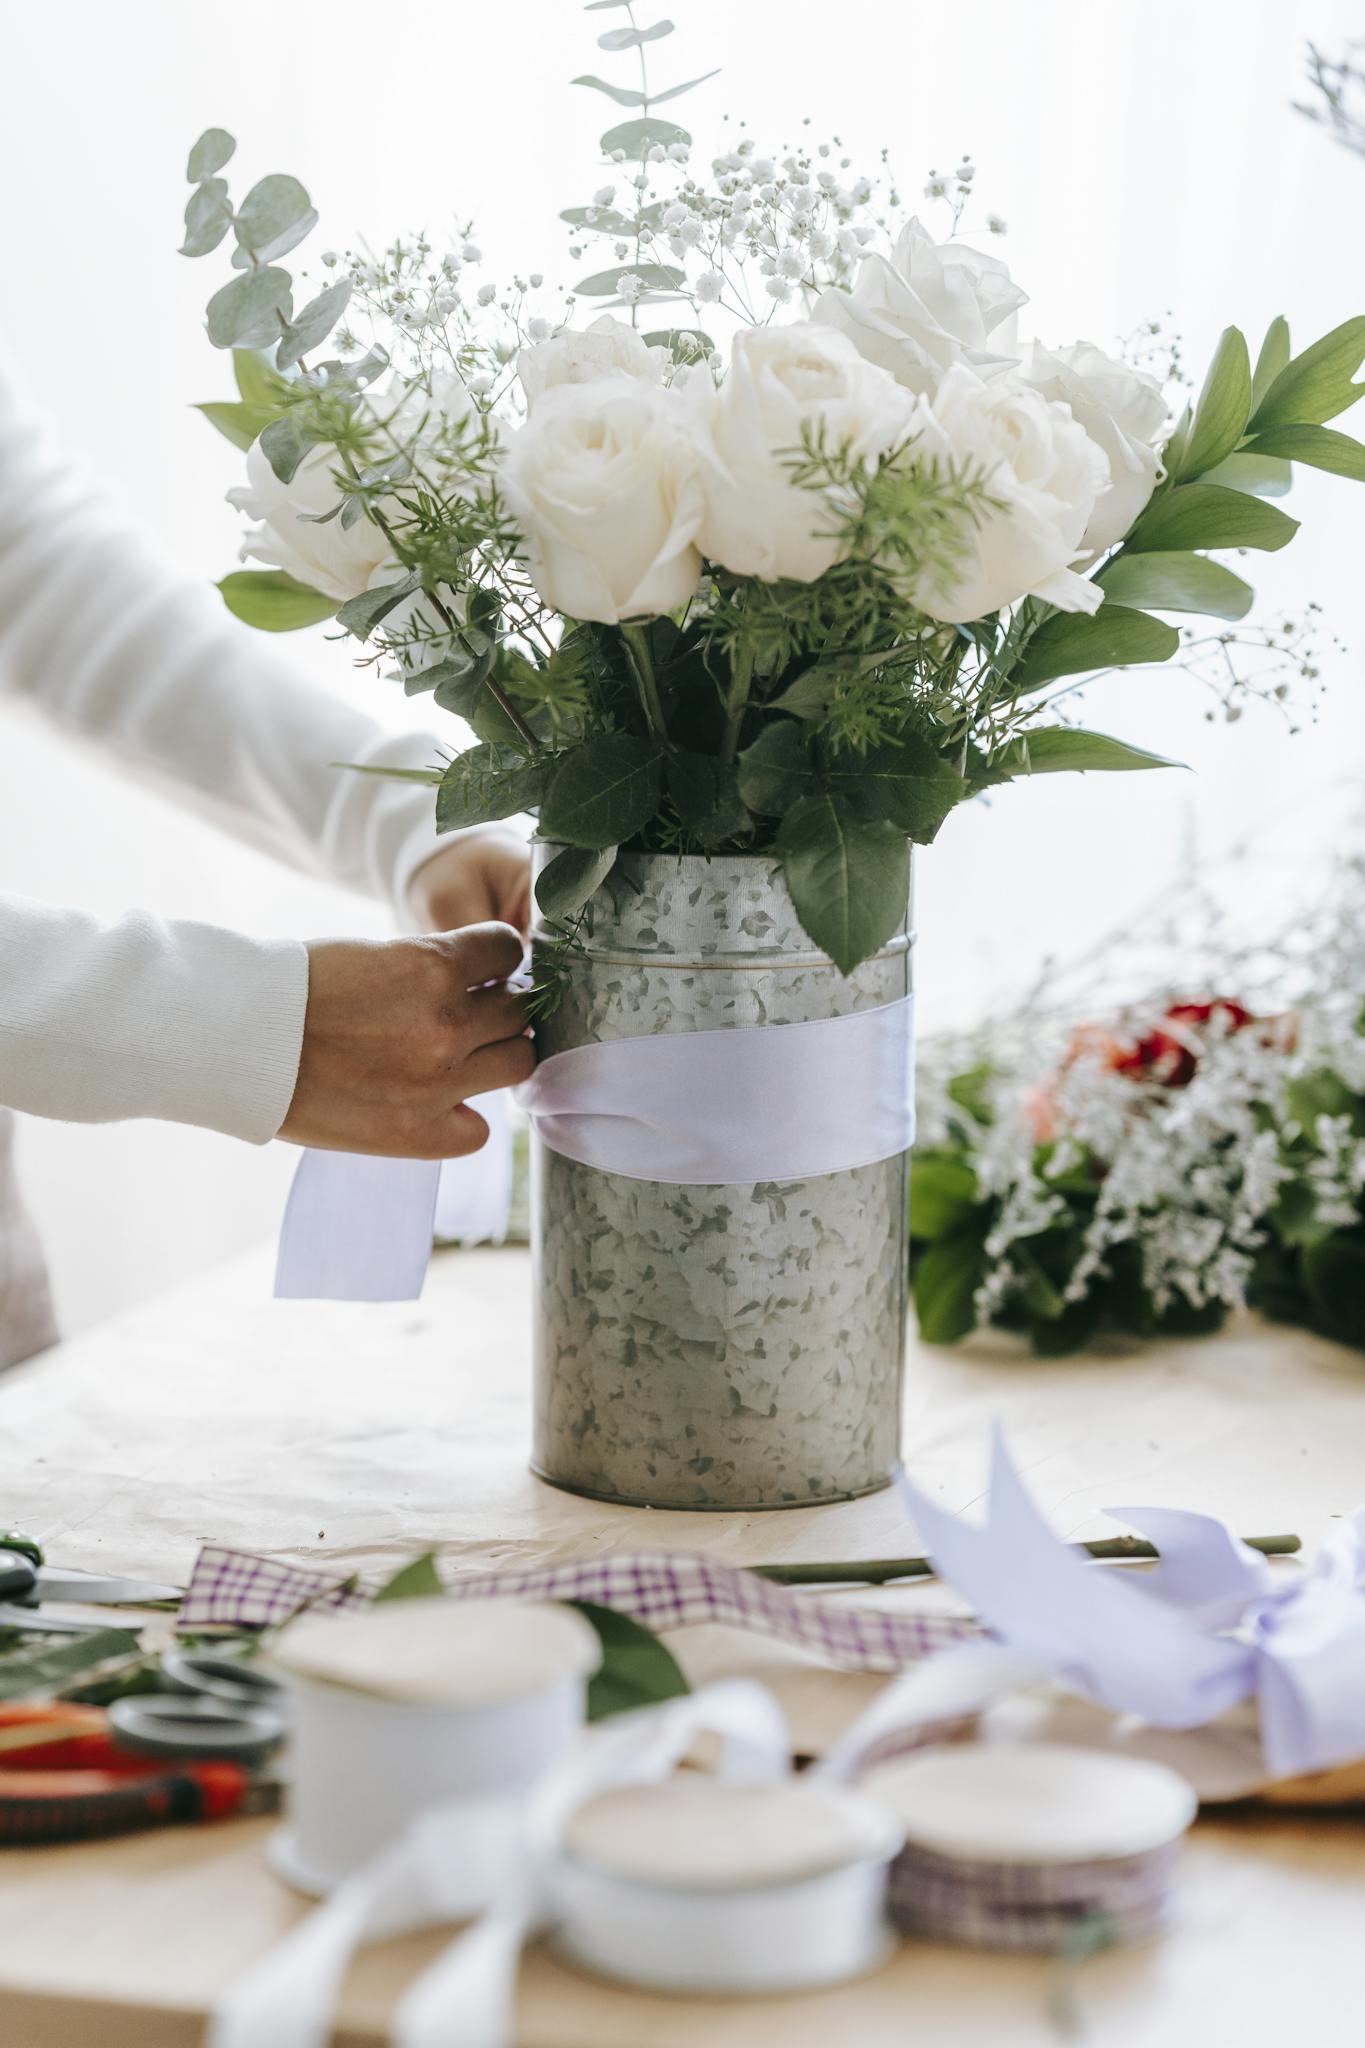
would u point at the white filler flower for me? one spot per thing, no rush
(1122, 409)
(932, 305)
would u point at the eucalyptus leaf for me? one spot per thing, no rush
(847, 877)
(419, 1580)
(637, 138)
(1319, 447)
(1316, 385)
(286, 440)
(1273, 357)
(314, 323)
(705, 791)
(248, 311)
(654, 277)
(777, 771)
(274, 217)
(598, 220)
(360, 615)
(1060, 749)
(1224, 406)
(240, 424)
(631, 38)
(26, 1671)
(485, 782)
(1175, 581)
(572, 878)
(684, 344)
(273, 601)
(637, 1670)
(1079, 643)
(675, 92)
(213, 149)
(603, 791)
(208, 216)
(624, 95)
(1205, 515)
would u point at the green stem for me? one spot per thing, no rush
(642, 661)
(883, 1570)
(736, 700)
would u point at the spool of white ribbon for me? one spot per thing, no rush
(775, 1102)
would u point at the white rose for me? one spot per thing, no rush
(603, 481)
(931, 306)
(580, 356)
(1122, 409)
(781, 382)
(1045, 474)
(340, 561)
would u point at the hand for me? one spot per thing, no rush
(485, 874)
(398, 1033)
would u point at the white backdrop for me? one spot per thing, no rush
(1146, 158)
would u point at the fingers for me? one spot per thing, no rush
(480, 953)
(492, 1013)
(504, 1065)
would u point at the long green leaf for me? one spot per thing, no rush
(1224, 406)
(238, 423)
(1206, 515)
(1257, 475)
(1272, 359)
(273, 601)
(631, 38)
(1064, 749)
(847, 877)
(624, 95)
(1316, 385)
(1320, 447)
(1176, 582)
(26, 1671)
(1081, 643)
(675, 92)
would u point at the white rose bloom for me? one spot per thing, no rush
(339, 561)
(581, 355)
(781, 381)
(1045, 473)
(933, 305)
(1122, 409)
(604, 483)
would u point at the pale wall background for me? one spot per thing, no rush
(1146, 158)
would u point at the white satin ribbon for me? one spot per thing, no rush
(774, 1102)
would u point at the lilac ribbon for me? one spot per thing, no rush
(772, 1102)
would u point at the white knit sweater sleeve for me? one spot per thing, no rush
(145, 1018)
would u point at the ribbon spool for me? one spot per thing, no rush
(411, 1705)
(1033, 1848)
(697, 1886)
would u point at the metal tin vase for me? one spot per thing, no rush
(736, 1346)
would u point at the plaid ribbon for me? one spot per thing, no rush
(1047, 1908)
(659, 1589)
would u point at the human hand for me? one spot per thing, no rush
(398, 1033)
(485, 874)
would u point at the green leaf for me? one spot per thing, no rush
(1272, 359)
(706, 793)
(1077, 643)
(848, 877)
(605, 220)
(653, 276)
(777, 770)
(208, 217)
(1320, 447)
(631, 38)
(360, 615)
(1257, 475)
(1334, 1275)
(675, 92)
(210, 153)
(1205, 515)
(273, 601)
(947, 1276)
(25, 1671)
(247, 312)
(258, 382)
(637, 1670)
(684, 344)
(1316, 385)
(1060, 749)
(285, 442)
(274, 217)
(418, 1580)
(637, 138)
(239, 424)
(943, 1194)
(314, 323)
(1224, 406)
(487, 781)
(575, 875)
(603, 791)
(624, 95)
(1175, 582)
(905, 780)
(432, 777)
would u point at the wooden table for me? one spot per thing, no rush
(355, 1436)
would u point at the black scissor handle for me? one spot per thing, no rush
(176, 1724)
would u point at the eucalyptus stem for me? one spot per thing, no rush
(642, 661)
(737, 700)
(882, 1571)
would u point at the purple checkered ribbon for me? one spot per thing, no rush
(1048, 1908)
(659, 1589)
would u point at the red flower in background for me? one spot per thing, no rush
(1167, 1055)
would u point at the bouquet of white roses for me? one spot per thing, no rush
(799, 596)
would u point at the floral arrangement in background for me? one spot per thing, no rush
(1150, 1173)
(801, 595)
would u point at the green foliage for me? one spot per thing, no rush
(946, 1277)
(847, 875)
(314, 323)
(247, 311)
(1320, 447)
(603, 791)
(706, 795)
(361, 615)
(1078, 643)
(604, 284)
(274, 601)
(1207, 515)
(27, 1671)
(637, 138)
(1316, 385)
(903, 780)
(1053, 749)
(213, 149)
(777, 771)
(1175, 582)
(631, 38)
(1273, 357)
(566, 883)
(487, 781)
(1224, 407)
(637, 1670)
(274, 218)
(417, 1580)
(208, 216)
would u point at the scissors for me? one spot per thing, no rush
(26, 1580)
(194, 1752)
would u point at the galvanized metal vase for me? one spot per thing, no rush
(714, 1347)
